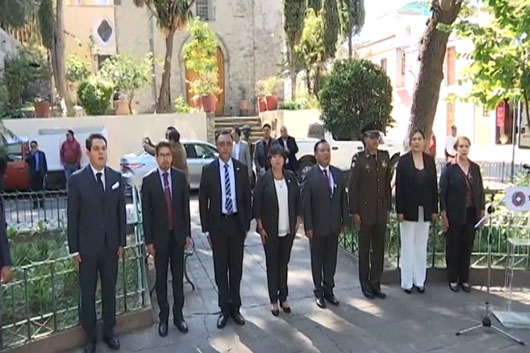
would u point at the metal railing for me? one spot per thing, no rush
(43, 296)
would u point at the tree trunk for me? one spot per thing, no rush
(308, 80)
(164, 100)
(59, 46)
(526, 99)
(432, 55)
(292, 71)
(350, 46)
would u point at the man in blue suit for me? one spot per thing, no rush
(38, 168)
(96, 237)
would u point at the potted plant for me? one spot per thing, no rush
(268, 88)
(42, 108)
(206, 87)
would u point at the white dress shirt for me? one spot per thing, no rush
(232, 177)
(102, 171)
(286, 148)
(330, 177)
(283, 207)
(236, 149)
(450, 145)
(161, 172)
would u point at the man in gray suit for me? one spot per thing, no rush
(325, 211)
(241, 151)
(96, 237)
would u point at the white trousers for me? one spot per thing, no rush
(413, 262)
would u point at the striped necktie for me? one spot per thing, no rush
(228, 193)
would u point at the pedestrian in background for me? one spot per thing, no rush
(241, 151)
(70, 155)
(290, 146)
(179, 153)
(38, 168)
(261, 156)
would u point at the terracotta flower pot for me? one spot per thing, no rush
(208, 102)
(122, 107)
(272, 102)
(42, 109)
(262, 104)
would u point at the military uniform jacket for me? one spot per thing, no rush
(370, 191)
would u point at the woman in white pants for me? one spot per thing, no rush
(416, 206)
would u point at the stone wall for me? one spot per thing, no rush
(250, 35)
(8, 47)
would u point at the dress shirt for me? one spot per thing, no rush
(37, 165)
(232, 177)
(236, 149)
(450, 145)
(330, 177)
(161, 172)
(286, 147)
(102, 171)
(283, 207)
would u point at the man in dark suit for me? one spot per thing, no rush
(290, 146)
(325, 210)
(224, 204)
(5, 259)
(38, 168)
(166, 222)
(370, 203)
(96, 237)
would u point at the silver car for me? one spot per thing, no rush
(199, 153)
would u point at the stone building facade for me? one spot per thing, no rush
(251, 41)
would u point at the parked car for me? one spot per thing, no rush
(16, 176)
(199, 153)
(341, 151)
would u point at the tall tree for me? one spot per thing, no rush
(352, 15)
(315, 5)
(16, 13)
(171, 15)
(60, 61)
(46, 20)
(311, 48)
(330, 35)
(294, 15)
(432, 54)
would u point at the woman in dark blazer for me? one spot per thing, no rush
(416, 207)
(462, 203)
(276, 209)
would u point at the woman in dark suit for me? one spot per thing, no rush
(276, 209)
(416, 207)
(462, 203)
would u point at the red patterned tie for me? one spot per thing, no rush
(169, 205)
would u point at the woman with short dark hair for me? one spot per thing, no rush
(276, 210)
(416, 207)
(462, 203)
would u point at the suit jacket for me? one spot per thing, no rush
(261, 159)
(324, 214)
(407, 192)
(293, 150)
(5, 256)
(154, 211)
(95, 220)
(453, 192)
(210, 197)
(369, 191)
(32, 161)
(266, 202)
(244, 156)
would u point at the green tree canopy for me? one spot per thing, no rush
(352, 15)
(316, 5)
(16, 13)
(355, 93)
(331, 27)
(294, 15)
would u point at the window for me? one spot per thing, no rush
(104, 31)
(451, 66)
(205, 151)
(383, 64)
(202, 10)
(101, 59)
(401, 74)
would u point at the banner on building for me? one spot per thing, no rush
(517, 199)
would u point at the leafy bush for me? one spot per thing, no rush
(290, 105)
(94, 95)
(268, 86)
(181, 106)
(76, 70)
(357, 92)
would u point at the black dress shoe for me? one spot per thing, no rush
(466, 287)
(408, 290)
(90, 347)
(368, 294)
(275, 313)
(286, 309)
(320, 302)
(379, 294)
(454, 287)
(112, 343)
(182, 326)
(332, 299)
(162, 329)
(222, 320)
(238, 318)
(421, 289)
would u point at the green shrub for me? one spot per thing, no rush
(181, 106)
(290, 105)
(76, 70)
(94, 95)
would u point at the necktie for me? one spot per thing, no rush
(100, 183)
(326, 176)
(228, 193)
(167, 197)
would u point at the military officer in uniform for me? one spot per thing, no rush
(370, 203)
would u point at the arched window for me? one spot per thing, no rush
(202, 10)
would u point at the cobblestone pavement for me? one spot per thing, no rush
(401, 323)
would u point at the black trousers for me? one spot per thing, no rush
(371, 256)
(324, 263)
(459, 245)
(106, 265)
(172, 256)
(227, 247)
(37, 185)
(277, 256)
